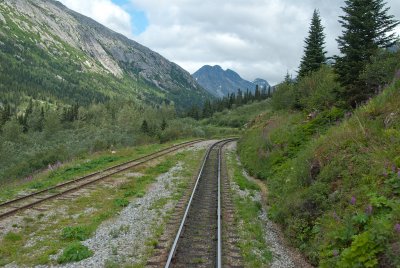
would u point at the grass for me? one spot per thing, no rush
(74, 252)
(253, 246)
(333, 183)
(77, 168)
(49, 234)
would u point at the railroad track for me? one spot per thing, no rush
(198, 241)
(11, 207)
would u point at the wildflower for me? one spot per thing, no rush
(398, 174)
(335, 216)
(394, 168)
(368, 210)
(397, 228)
(385, 173)
(335, 252)
(353, 200)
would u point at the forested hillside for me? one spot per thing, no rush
(54, 55)
(328, 145)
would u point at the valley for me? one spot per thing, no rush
(112, 155)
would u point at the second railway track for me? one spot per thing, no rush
(28, 201)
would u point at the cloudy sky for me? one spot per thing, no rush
(256, 38)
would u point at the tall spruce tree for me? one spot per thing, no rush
(367, 26)
(314, 50)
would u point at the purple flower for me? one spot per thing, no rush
(335, 216)
(368, 210)
(385, 173)
(397, 227)
(335, 252)
(394, 168)
(353, 200)
(398, 174)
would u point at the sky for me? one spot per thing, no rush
(256, 38)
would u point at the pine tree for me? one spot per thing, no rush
(314, 50)
(207, 109)
(164, 124)
(145, 127)
(366, 27)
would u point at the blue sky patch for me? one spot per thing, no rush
(138, 17)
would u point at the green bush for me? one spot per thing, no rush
(80, 233)
(121, 202)
(74, 252)
(318, 91)
(285, 97)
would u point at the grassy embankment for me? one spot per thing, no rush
(334, 183)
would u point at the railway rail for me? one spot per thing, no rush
(13, 206)
(198, 241)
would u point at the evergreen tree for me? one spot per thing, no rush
(314, 50)
(366, 27)
(164, 124)
(288, 78)
(145, 127)
(207, 109)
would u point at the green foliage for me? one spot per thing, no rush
(367, 27)
(318, 91)
(314, 52)
(79, 233)
(333, 186)
(285, 97)
(13, 237)
(74, 252)
(121, 202)
(380, 72)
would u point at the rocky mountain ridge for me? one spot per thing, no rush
(221, 82)
(63, 33)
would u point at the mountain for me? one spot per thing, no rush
(261, 83)
(221, 83)
(51, 53)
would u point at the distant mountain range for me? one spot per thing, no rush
(53, 54)
(221, 83)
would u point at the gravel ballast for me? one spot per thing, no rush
(123, 239)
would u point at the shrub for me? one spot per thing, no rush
(74, 252)
(80, 233)
(318, 90)
(121, 202)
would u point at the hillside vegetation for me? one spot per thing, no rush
(81, 61)
(333, 176)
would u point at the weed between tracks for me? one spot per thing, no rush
(36, 241)
(252, 244)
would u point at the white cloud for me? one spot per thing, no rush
(105, 12)
(257, 38)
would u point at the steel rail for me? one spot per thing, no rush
(219, 246)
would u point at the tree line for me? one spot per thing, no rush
(367, 34)
(230, 101)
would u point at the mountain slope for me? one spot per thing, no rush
(261, 83)
(50, 52)
(221, 83)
